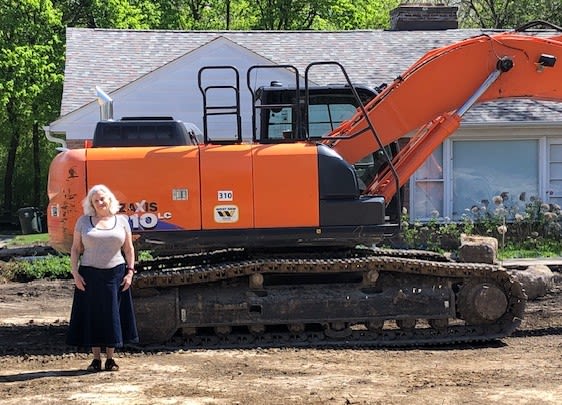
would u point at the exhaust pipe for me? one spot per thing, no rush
(106, 105)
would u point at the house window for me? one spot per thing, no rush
(462, 174)
(428, 193)
(484, 169)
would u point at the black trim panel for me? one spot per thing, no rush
(178, 242)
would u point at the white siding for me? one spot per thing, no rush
(172, 90)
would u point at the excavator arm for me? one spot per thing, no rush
(431, 97)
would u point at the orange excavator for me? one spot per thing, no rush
(270, 238)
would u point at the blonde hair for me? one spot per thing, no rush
(89, 207)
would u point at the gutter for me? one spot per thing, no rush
(54, 139)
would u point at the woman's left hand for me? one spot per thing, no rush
(127, 280)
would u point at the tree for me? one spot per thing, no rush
(356, 14)
(134, 14)
(227, 14)
(505, 14)
(31, 65)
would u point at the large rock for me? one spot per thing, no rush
(478, 249)
(537, 280)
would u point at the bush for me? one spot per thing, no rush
(436, 234)
(523, 228)
(24, 270)
(50, 267)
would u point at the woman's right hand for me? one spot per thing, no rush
(79, 281)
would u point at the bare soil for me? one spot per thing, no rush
(36, 367)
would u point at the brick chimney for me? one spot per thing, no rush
(422, 16)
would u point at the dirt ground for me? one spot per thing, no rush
(37, 368)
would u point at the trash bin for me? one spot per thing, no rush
(30, 220)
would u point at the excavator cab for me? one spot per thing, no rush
(326, 108)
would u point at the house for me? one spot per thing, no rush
(511, 147)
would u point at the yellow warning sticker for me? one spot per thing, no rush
(226, 213)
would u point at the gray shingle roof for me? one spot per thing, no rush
(117, 57)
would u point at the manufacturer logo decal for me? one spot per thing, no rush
(145, 214)
(226, 213)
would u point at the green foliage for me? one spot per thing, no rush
(358, 14)
(531, 249)
(504, 14)
(518, 221)
(31, 64)
(144, 255)
(24, 270)
(50, 267)
(136, 14)
(436, 235)
(523, 228)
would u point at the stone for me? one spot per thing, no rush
(537, 280)
(478, 249)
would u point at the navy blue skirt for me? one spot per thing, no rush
(103, 315)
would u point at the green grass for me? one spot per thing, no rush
(541, 250)
(27, 240)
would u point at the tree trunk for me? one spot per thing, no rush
(36, 167)
(11, 161)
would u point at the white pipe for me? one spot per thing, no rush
(51, 138)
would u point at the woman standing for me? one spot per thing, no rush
(102, 261)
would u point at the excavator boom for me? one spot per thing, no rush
(433, 94)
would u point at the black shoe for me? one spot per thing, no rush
(95, 366)
(111, 365)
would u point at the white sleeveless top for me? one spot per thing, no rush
(102, 247)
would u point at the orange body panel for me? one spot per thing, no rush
(159, 187)
(189, 188)
(254, 186)
(227, 187)
(66, 188)
(286, 186)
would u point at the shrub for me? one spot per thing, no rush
(524, 228)
(24, 270)
(51, 267)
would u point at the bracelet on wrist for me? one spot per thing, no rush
(131, 269)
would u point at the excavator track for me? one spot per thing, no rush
(480, 302)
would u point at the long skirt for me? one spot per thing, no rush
(103, 315)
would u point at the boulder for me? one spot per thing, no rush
(537, 280)
(478, 249)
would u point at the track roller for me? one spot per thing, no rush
(481, 303)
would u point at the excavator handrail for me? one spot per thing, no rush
(220, 109)
(361, 107)
(256, 107)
